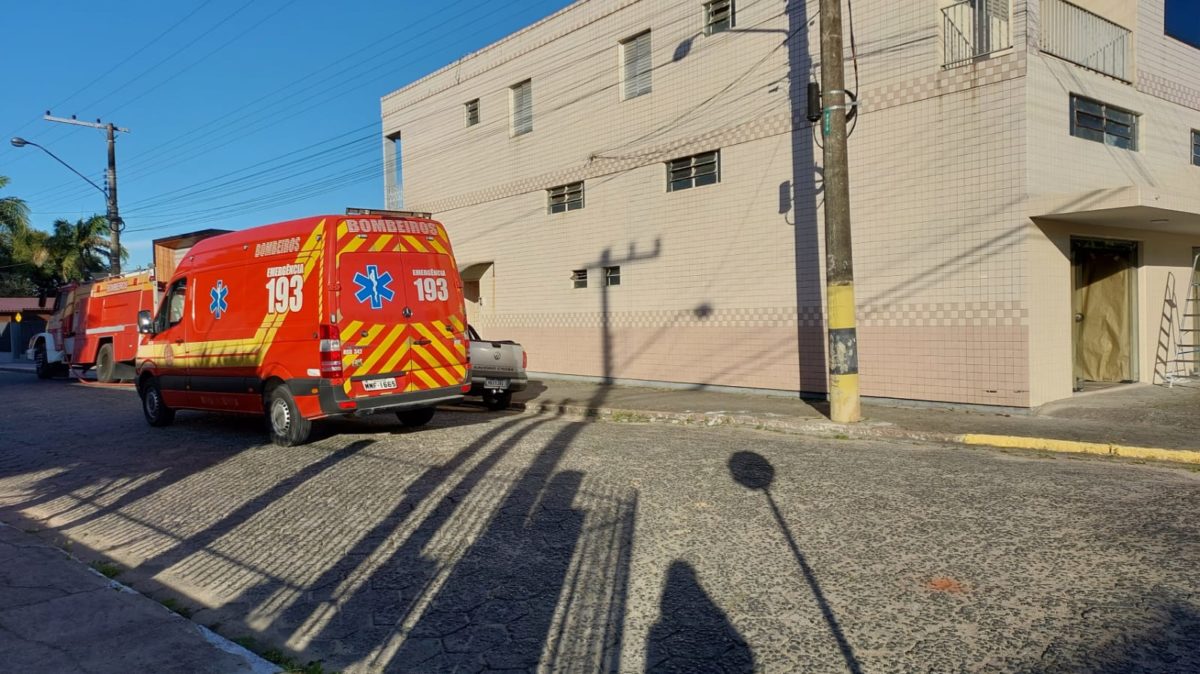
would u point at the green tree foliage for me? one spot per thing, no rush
(32, 260)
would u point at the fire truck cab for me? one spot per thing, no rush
(332, 315)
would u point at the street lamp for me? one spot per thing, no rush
(115, 224)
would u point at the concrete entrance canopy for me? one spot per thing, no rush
(1126, 207)
(472, 271)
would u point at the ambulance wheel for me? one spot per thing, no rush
(156, 411)
(43, 369)
(105, 365)
(288, 427)
(414, 418)
(497, 400)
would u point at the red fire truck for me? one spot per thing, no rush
(94, 324)
(332, 315)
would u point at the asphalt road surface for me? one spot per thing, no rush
(494, 542)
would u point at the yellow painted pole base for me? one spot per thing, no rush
(844, 405)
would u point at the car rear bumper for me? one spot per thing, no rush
(334, 401)
(515, 384)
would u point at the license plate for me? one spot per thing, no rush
(500, 384)
(379, 384)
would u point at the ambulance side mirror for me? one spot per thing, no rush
(145, 322)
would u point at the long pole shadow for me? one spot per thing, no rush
(755, 472)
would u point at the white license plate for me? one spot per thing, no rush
(499, 384)
(379, 384)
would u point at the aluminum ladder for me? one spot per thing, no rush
(1187, 346)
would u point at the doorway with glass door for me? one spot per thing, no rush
(1105, 316)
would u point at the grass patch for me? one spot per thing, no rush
(175, 606)
(107, 569)
(277, 657)
(841, 436)
(623, 417)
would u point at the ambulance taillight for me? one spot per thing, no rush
(331, 352)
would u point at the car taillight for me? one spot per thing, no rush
(331, 351)
(524, 360)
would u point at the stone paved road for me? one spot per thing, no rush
(509, 542)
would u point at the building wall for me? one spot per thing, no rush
(1070, 175)
(723, 284)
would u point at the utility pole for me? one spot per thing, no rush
(115, 224)
(844, 402)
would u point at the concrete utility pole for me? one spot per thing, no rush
(839, 264)
(115, 224)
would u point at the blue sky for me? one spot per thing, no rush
(241, 112)
(1183, 20)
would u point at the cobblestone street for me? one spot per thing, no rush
(502, 541)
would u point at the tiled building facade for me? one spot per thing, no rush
(975, 198)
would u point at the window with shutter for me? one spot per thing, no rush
(522, 107)
(695, 171)
(718, 16)
(472, 110)
(636, 65)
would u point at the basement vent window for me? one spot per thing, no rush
(636, 67)
(472, 110)
(612, 276)
(694, 171)
(579, 278)
(1103, 123)
(718, 16)
(522, 107)
(565, 197)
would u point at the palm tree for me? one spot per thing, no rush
(14, 213)
(79, 249)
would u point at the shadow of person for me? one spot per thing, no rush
(693, 634)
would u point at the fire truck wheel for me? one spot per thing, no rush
(105, 364)
(414, 418)
(156, 411)
(497, 400)
(288, 427)
(43, 369)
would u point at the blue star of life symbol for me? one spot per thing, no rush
(373, 286)
(218, 306)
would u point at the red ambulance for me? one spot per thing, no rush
(331, 315)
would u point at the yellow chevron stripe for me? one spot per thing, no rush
(427, 379)
(352, 245)
(458, 325)
(434, 366)
(380, 243)
(415, 243)
(350, 330)
(400, 353)
(437, 342)
(400, 247)
(342, 229)
(437, 245)
(380, 350)
(372, 333)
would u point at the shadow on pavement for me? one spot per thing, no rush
(692, 633)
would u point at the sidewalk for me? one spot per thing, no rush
(57, 615)
(1135, 420)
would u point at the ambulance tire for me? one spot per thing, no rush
(288, 428)
(497, 400)
(156, 411)
(105, 365)
(415, 418)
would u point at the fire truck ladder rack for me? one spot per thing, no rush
(1187, 344)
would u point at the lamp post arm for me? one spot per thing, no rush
(89, 180)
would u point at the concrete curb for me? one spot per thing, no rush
(867, 430)
(16, 368)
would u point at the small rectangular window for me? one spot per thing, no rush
(472, 110)
(1103, 123)
(612, 276)
(522, 107)
(565, 197)
(579, 278)
(718, 16)
(1196, 148)
(694, 171)
(636, 66)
